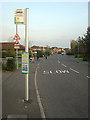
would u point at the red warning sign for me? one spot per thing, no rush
(16, 43)
(16, 37)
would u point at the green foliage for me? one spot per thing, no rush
(47, 51)
(12, 52)
(7, 54)
(80, 56)
(39, 53)
(11, 65)
(69, 53)
(82, 46)
(73, 46)
(19, 54)
(4, 67)
(19, 65)
(85, 59)
(75, 56)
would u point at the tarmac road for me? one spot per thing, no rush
(63, 87)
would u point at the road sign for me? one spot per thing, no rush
(16, 43)
(19, 16)
(16, 47)
(25, 62)
(16, 37)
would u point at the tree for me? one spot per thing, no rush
(87, 41)
(74, 45)
(47, 50)
(12, 52)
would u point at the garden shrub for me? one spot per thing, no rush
(4, 67)
(85, 59)
(69, 53)
(75, 56)
(11, 65)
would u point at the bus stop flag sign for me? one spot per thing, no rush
(25, 62)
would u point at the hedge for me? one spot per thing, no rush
(11, 65)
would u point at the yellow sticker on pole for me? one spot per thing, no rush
(17, 18)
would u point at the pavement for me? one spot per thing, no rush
(13, 94)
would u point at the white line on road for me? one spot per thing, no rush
(60, 71)
(74, 70)
(50, 71)
(38, 98)
(58, 61)
(88, 77)
(45, 72)
(56, 71)
(64, 65)
(38, 66)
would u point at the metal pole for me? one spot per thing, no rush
(17, 57)
(16, 29)
(16, 50)
(26, 50)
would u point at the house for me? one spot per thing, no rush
(57, 50)
(6, 46)
(35, 48)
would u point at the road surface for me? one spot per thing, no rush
(62, 83)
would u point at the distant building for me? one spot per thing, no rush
(35, 48)
(57, 50)
(6, 46)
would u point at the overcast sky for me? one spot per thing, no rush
(50, 23)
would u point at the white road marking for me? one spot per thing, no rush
(50, 71)
(64, 65)
(88, 77)
(65, 71)
(74, 70)
(60, 71)
(56, 71)
(38, 66)
(38, 98)
(58, 61)
(45, 72)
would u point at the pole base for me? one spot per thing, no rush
(27, 101)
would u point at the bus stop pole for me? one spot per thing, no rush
(16, 49)
(26, 50)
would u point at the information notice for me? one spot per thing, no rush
(25, 62)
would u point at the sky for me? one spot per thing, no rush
(50, 23)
